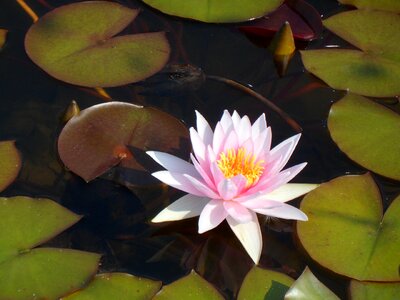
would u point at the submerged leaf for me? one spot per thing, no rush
(75, 43)
(347, 232)
(3, 36)
(10, 163)
(216, 11)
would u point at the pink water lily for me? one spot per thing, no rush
(234, 175)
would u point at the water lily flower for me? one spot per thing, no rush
(234, 175)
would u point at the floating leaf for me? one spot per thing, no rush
(374, 290)
(216, 11)
(373, 72)
(75, 43)
(117, 286)
(347, 232)
(3, 36)
(368, 133)
(388, 5)
(10, 163)
(305, 21)
(41, 273)
(192, 286)
(264, 285)
(308, 287)
(105, 135)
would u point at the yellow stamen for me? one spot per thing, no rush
(237, 161)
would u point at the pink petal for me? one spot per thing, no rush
(204, 129)
(205, 174)
(249, 234)
(236, 120)
(173, 163)
(240, 182)
(178, 181)
(212, 215)
(226, 121)
(219, 137)
(244, 132)
(204, 189)
(231, 142)
(227, 189)
(259, 126)
(262, 143)
(185, 207)
(238, 212)
(199, 149)
(216, 173)
(285, 211)
(283, 151)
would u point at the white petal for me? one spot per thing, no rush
(212, 215)
(262, 143)
(237, 211)
(259, 126)
(226, 121)
(204, 129)
(185, 207)
(282, 152)
(244, 132)
(199, 149)
(203, 188)
(231, 142)
(218, 138)
(205, 174)
(249, 234)
(173, 163)
(178, 181)
(290, 191)
(285, 211)
(236, 120)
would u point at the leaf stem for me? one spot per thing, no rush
(239, 86)
(103, 93)
(28, 10)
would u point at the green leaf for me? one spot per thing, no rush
(374, 290)
(190, 287)
(308, 287)
(216, 11)
(388, 5)
(368, 133)
(264, 285)
(117, 286)
(46, 273)
(346, 231)
(103, 136)
(75, 43)
(371, 72)
(26, 223)
(10, 164)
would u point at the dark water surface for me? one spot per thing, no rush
(116, 221)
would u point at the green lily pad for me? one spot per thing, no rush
(368, 133)
(388, 5)
(216, 11)
(75, 43)
(10, 163)
(41, 273)
(105, 135)
(371, 72)
(374, 290)
(308, 287)
(347, 232)
(117, 286)
(46, 273)
(264, 285)
(190, 287)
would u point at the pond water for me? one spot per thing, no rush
(117, 220)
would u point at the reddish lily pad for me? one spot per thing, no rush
(261, 284)
(119, 286)
(105, 135)
(10, 163)
(368, 133)
(216, 11)
(76, 43)
(388, 5)
(347, 232)
(374, 290)
(372, 72)
(190, 287)
(304, 19)
(308, 287)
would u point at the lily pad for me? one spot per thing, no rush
(117, 286)
(106, 135)
(347, 232)
(308, 287)
(216, 11)
(374, 290)
(388, 5)
(190, 287)
(42, 273)
(10, 163)
(76, 43)
(371, 72)
(264, 285)
(368, 133)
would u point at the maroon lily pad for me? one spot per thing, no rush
(116, 133)
(304, 19)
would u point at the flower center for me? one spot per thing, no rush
(238, 161)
